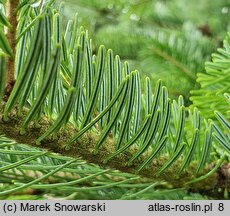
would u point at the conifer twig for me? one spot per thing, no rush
(11, 36)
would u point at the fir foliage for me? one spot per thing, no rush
(89, 107)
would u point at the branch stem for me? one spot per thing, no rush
(11, 36)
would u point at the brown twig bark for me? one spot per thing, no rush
(11, 36)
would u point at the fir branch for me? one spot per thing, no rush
(172, 60)
(56, 107)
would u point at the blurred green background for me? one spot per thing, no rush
(167, 39)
